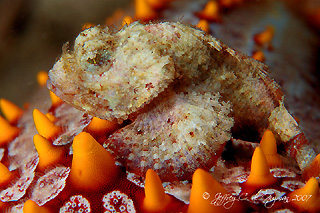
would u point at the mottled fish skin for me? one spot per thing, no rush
(114, 75)
(185, 92)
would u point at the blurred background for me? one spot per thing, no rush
(32, 33)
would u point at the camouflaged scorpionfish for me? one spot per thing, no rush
(184, 93)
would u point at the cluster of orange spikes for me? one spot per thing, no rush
(263, 40)
(93, 167)
(212, 12)
(8, 132)
(148, 10)
(12, 113)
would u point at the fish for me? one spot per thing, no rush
(180, 93)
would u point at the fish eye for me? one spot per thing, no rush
(100, 58)
(93, 61)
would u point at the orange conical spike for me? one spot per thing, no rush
(306, 199)
(156, 199)
(32, 207)
(99, 126)
(48, 154)
(264, 37)
(56, 101)
(6, 176)
(260, 175)
(211, 11)
(10, 111)
(203, 25)
(42, 78)
(92, 166)
(143, 11)
(44, 125)
(268, 146)
(7, 132)
(127, 20)
(207, 195)
(259, 56)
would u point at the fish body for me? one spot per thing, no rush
(184, 92)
